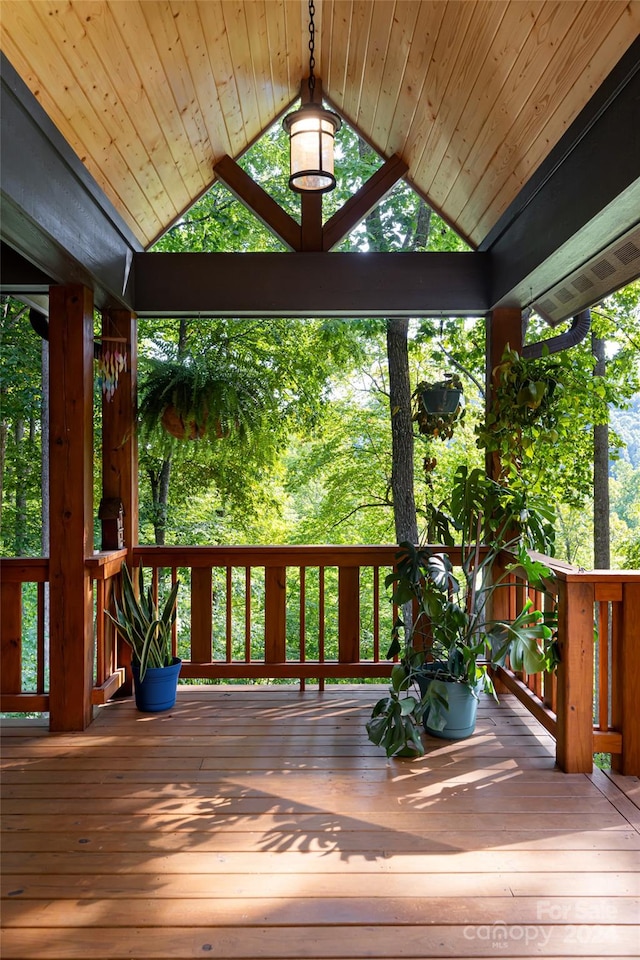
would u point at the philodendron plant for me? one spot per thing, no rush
(140, 623)
(452, 626)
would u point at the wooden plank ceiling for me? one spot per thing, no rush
(472, 95)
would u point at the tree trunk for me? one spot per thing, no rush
(404, 506)
(4, 438)
(402, 475)
(160, 481)
(20, 526)
(601, 529)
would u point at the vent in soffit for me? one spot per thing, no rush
(614, 267)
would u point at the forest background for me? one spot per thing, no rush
(314, 463)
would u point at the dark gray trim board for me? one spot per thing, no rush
(53, 213)
(583, 197)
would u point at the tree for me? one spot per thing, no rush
(20, 430)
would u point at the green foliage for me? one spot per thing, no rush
(140, 623)
(527, 411)
(452, 626)
(208, 397)
(20, 431)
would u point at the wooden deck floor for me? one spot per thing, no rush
(260, 822)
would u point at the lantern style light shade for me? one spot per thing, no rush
(311, 131)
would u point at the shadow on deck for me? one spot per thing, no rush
(260, 822)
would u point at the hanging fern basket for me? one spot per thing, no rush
(181, 427)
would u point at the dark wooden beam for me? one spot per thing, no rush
(362, 202)
(53, 212)
(259, 202)
(311, 284)
(311, 217)
(18, 275)
(582, 198)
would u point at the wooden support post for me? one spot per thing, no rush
(119, 436)
(504, 326)
(629, 680)
(574, 747)
(71, 502)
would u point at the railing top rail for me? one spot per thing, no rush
(24, 569)
(571, 574)
(289, 555)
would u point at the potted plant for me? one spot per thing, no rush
(440, 399)
(147, 631)
(196, 397)
(438, 407)
(446, 650)
(527, 409)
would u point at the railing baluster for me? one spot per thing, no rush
(40, 639)
(321, 623)
(201, 615)
(11, 610)
(349, 614)
(616, 662)
(247, 614)
(376, 614)
(303, 620)
(101, 672)
(228, 630)
(174, 626)
(275, 614)
(603, 666)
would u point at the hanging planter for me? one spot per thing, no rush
(437, 406)
(190, 399)
(440, 400)
(440, 397)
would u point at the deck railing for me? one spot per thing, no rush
(279, 612)
(322, 613)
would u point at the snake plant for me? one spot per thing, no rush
(140, 624)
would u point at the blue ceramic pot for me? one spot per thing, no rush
(158, 689)
(461, 715)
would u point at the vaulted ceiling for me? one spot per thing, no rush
(475, 97)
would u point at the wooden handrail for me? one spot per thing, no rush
(283, 621)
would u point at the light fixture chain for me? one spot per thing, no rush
(312, 39)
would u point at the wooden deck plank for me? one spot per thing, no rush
(444, 886)
(252, 823)
(302, 911)
(166, 834)
(390, 942)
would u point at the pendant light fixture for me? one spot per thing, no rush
(311, 133)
